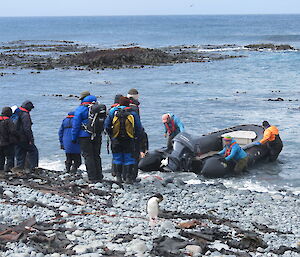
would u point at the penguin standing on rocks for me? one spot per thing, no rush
(153, 208)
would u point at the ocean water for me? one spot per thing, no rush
(211, 102)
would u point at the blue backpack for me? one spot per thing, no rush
(16, 118)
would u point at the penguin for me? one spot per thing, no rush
(153, 208)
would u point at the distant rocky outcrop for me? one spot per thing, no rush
(269, 47)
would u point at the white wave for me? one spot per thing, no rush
(221, 49)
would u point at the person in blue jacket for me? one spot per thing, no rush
(90, 146)
(123, 125)
(233, 152)
(73, 158)
(173, 126)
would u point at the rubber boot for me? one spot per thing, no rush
(117, 168)
(128, 171)
(68, 166)
(113, 172)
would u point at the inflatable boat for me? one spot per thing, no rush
(199, 154)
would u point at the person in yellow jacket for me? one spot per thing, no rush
(272, 139)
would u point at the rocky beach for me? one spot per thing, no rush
(54, 214)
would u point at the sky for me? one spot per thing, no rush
(145, 7)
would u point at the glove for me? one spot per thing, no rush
(222, 159)
(257, 143)
(62, 147)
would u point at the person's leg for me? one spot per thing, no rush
(129, 160)
(33, 156)
(97, 158)
(137, 150)
(117, 159)
(76, 161)
(241, 165)
(275, 149)
(88, 155)
(20, 150)
(10, 157)
(2, 158)
(68, 162)
(169, 142)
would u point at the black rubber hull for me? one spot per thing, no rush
(187, 152)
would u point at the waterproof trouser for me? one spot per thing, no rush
(27, 152)
(241, 165)
(275, 148)
(7, 154)
(90, 150)
(72, 160)
(123, 155)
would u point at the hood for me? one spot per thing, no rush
(89, 98)
(28, 105)
(71, 113)
(7, 111)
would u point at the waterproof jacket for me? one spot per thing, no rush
(270, 134)
(81, 117)
(174, 127)
(8, 131)
(65, 135)
(138, 129)
(235, 152)
(24, 125)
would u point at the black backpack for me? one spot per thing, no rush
(96, 117)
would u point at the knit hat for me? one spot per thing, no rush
(117, 98)
(7, 111)
(84, 94)
(265, 124)
(28, 105)
(165, 117)
(133, 93)
(124, 101)
(228, 138)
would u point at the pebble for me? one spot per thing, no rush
(70, 224)
(8, 193)
(80, 249)
(137, 246)
(78, 233)
(194, 250)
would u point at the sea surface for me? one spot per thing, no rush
(220, 94)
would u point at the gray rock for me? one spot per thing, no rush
(80, 249)
(8, 194)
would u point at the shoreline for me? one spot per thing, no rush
(107, 220)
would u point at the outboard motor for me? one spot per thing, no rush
(183, 152)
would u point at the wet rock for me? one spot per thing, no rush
(269, 47)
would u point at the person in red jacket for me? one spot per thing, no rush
(272, 140)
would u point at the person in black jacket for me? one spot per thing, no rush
(8, 139)
(26, 147)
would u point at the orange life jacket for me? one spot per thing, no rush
(171, 129)
(270, 134)
(228, 150)
(23, 109)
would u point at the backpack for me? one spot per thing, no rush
(16, 118)
(123, 124)
(96, 117)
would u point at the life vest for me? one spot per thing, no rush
(123, 124)
(70, 116)
(115, 105)
(171, 129)
(23, 109)
(86, 103)
(4, 118)
(228, 149)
